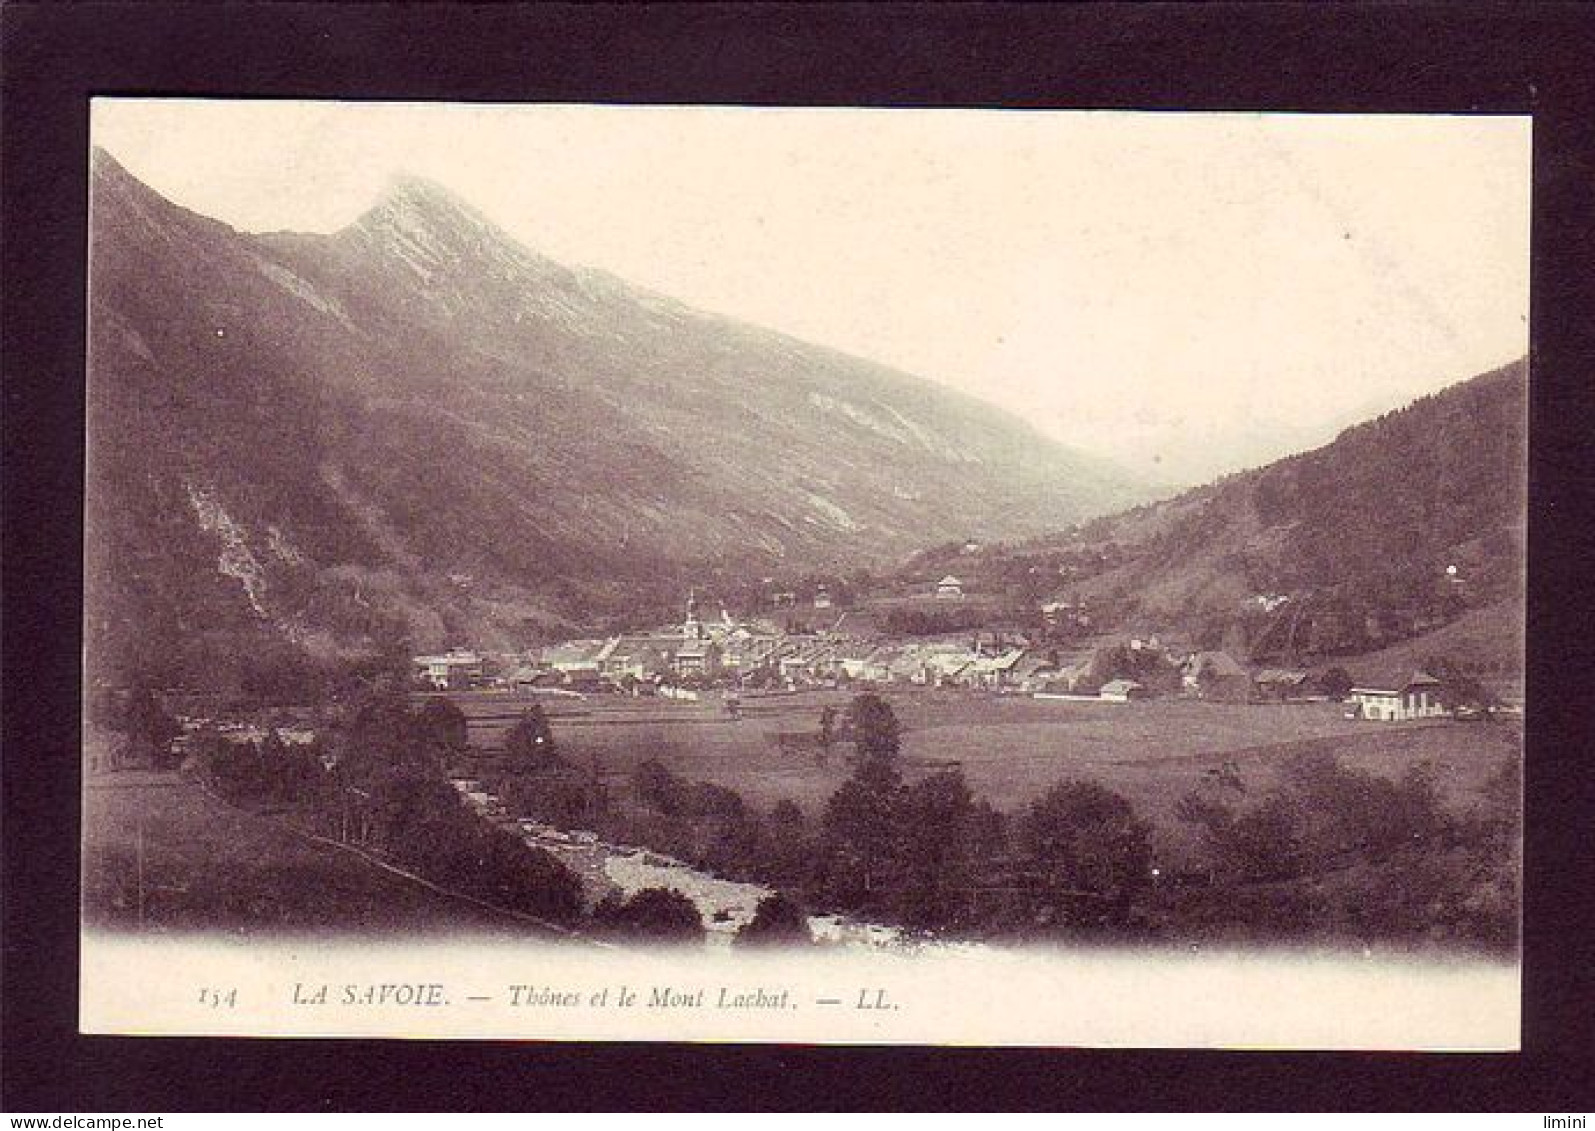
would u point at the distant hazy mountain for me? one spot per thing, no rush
(417, 428)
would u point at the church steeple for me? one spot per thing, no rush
(692, 629)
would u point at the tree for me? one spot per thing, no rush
(859, 836)
(1459, 689)
(444, 725)
(858, 823)
(1090, 852)
(1335, 682)
(1263, 843)
(827, 727)
(789, 852)
(531, 740)
(146, 721)
(876, 733)
(656, 914)
(1352, 814)
(661, 789)
(935, 827)
(380, 736)
(503, 868)
(279, 674)
(779, 920)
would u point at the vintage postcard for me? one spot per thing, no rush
(794, 575)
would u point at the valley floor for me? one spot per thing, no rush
(1013, 749)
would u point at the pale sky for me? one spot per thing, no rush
(1185, 293)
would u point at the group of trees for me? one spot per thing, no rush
(1337, 850)
(902, 620)
(145, 729)
(700, 822)
(380, 784)
(930, 855)
(267, 771)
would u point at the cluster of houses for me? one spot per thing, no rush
(755, 653)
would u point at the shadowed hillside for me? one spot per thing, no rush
(1400, 526)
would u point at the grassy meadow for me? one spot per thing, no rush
(1012, 749)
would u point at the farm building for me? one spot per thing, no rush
(1062, 612)
(1122, 691)
(1217, 676)
(638, 656)
(906, 665)
(573, 655)
(949, 588)
(748, 652)
(809, 662)
(1281, 685)
(451, 671)
(1032, 672)
(1071, 677)
(697, 657)
(995, 671)
(947, 669)
(531, 675)
(867, 663)
(1416, 697)
(587, 681)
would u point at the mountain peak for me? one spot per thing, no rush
(426, 223)
(415, 200)
(406, 186)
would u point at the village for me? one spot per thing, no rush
(816, 645)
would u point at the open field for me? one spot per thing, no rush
(209, 866)
(1011, 749)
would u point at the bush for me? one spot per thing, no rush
(779, 920)
(655, 914)
(661, 790)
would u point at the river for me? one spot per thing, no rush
(724, 905)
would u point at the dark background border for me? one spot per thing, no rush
(1360, 57)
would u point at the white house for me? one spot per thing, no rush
(1417, 697)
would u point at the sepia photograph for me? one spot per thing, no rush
(805, 575)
